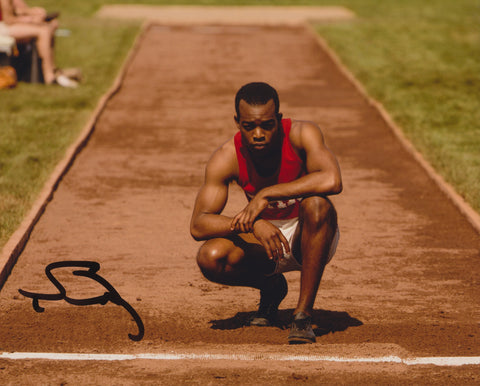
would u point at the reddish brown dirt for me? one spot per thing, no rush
(405, 279)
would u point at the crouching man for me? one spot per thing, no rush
(287, 174)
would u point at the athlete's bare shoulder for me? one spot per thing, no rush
(302, 132)
(223, 163)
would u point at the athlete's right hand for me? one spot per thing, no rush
(271, 238)
(245, 219)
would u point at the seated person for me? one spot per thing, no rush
(27, 26)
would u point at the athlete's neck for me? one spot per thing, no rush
(268, 162)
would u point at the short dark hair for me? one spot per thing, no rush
(256, 93)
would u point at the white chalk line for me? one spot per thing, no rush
(437, 361)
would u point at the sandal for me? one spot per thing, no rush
(65, 81)
(74, 73)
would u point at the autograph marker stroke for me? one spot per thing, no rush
(92, 268)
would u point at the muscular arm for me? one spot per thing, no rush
(207, 222)
(323, 175)
(323, 172)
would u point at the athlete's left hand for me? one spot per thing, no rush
(271, 238)
(243, 221)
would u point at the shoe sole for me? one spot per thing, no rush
(299, 340)
(260, 322)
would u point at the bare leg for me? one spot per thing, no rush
(318, 222)
(43, 34)
(239, 261)
(53, 25)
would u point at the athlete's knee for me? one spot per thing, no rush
(317, 211)
(210, 256)
(215, 260)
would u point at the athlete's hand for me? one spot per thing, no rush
(271, 238)
(243, 221)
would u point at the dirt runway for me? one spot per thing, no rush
(405, 279)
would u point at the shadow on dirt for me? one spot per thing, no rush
(324, 322)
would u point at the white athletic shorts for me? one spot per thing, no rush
(289, 262)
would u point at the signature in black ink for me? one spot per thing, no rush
(110, 296)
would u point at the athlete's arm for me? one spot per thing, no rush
(323, 175)
(207, 222)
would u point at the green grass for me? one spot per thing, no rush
(420, 59)
(422, 62)
(38, 122)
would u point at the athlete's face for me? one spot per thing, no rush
(259, 125)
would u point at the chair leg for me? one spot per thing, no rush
(28, 64)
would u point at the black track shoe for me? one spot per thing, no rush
(301, 331)
(271, 296)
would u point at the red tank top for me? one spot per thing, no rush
(291, 168)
